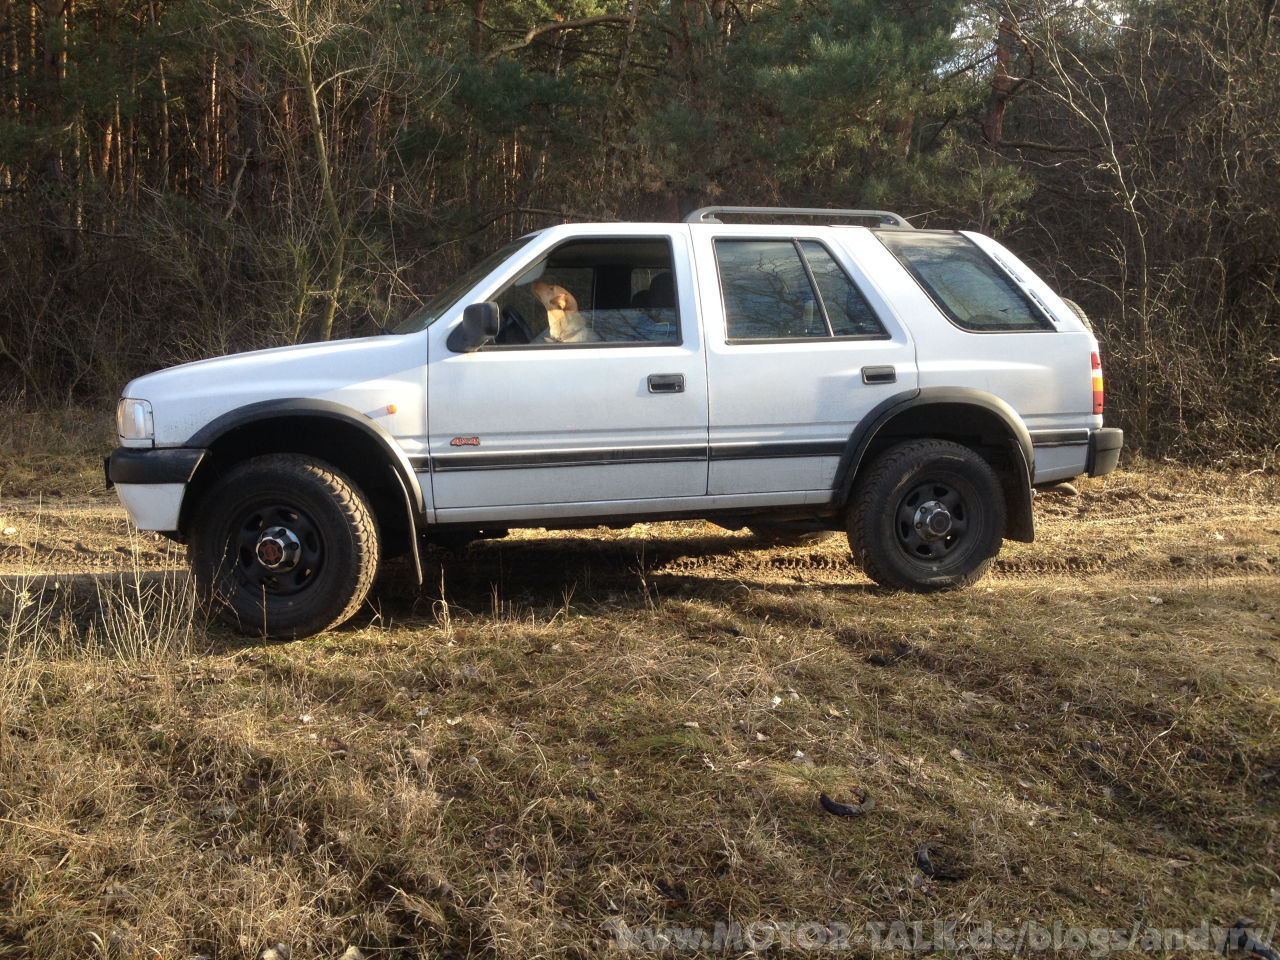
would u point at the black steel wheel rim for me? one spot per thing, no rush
(932, 521)
(251, 548)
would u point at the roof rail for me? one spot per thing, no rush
(708, 214)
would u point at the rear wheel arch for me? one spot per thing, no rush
(329, 432)
(973, 418)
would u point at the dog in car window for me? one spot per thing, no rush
(565, 324)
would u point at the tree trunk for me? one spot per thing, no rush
(333, 216)
(1002, 87)
(57, 246)
(250, 116)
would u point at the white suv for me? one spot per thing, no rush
(910, 387)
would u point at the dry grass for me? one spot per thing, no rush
(55, 452)
(567, 732)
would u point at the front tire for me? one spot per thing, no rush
(928, 515)
(284, 546)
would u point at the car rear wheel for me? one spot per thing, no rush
(284, 546)
(927, 515)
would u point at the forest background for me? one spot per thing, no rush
(185, 178)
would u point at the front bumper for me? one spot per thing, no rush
(154, 465)
(151, 483)
(1104, 450)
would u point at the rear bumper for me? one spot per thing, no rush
(1104, 450)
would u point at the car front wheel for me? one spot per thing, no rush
(284, 546)
(927, 515)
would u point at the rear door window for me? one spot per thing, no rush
(847, 308)
(789, 290)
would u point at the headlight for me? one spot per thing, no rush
(134, 420)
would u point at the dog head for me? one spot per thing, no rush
(555, 297)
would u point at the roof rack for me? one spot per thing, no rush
(708, 214)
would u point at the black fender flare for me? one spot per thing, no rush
(1019, 497)
(250, 413)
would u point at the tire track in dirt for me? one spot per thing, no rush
(52, 537)
(1127, 534)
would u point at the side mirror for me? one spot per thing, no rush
(479, 326)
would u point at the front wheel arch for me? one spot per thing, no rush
(329, 432)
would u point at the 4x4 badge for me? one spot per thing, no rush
(465, 442)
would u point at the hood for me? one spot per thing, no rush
(364, 375)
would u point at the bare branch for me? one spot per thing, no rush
(550, 27)
(1048, 147)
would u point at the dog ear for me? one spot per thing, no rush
(561, 300)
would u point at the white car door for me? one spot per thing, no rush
(611, 422)
(800, 348)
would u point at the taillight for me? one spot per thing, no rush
(1097, 382)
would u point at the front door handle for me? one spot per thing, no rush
(666, 383)
(888, 374)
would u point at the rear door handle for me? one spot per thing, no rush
(666, 383)
(879, 374)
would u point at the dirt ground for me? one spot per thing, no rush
(562, 732)
(1155, 527)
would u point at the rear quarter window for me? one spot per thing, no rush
(964, 282)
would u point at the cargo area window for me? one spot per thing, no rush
(963, 281)
(790, 290)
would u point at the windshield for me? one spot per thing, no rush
(439, 305)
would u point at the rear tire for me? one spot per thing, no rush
(284, 546)
(927, 515)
